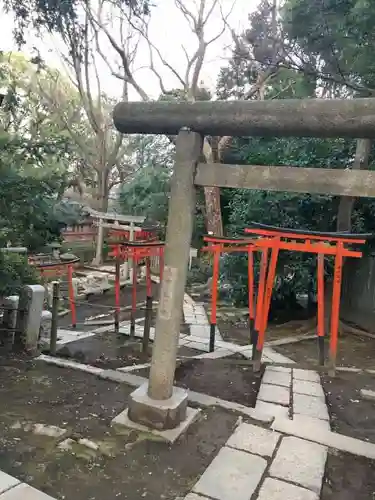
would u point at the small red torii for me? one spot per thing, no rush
(265, 238)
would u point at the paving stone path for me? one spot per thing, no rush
(264, 462)
(13, 489)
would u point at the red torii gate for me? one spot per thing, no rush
(136, 251)
(266, 238)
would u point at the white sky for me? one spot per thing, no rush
(168, 30)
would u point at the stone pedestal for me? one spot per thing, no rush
(158, 414)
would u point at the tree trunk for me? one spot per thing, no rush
(214, 222)
(361, 160)
(103, 196)
(344, 217)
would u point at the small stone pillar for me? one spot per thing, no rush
(29, 317)
(159, 404)
(9, 321)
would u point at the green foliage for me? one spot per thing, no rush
(338, 35)
(147, 194)
(15, 272)
(58, 16)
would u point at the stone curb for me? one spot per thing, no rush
(317, 434)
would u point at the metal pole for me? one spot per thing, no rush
(55, 316)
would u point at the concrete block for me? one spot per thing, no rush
(158, 414)
(7, 481)
(254, 440)
(274, 394)
(169, 435)
(272, 409)
(299, 419)
(367, 394)
(273, 489)
(24, 491)
(300, 462)
(277, 378)
(306, 375)
(328, 438)
(231, 475)
(308, 388)
(310, 406)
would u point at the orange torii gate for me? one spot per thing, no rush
(136, 251)
(269, 239)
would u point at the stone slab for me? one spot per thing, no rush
(310, 406)
(274, 489)
(194, 496)
(169, 435)
(275, 368)
(310, 375)
(24, 492)
(328, 438)
(276, 357)
(7, 481)
(232, 474)
(299, 419)
(277, 378)
(254, 440)
(300, 461)
(66, 363)
(253, 413)
(367, 394)
(272, 409)
(274, 394)
(308, 388)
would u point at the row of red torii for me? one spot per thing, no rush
(267, 241)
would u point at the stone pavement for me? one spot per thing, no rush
(13, 489)
(269, 464)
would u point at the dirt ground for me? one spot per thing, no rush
(348, 478)
(127, 466)
(107, 350)
(353, 350)
(229, 378)
(350, 414)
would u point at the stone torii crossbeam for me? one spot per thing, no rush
(159, 404)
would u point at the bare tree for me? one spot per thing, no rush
(189, 86)
(88, 120)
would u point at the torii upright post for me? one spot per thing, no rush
(159, 404)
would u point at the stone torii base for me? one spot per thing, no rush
(158, 405)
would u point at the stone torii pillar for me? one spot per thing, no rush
(158, 404)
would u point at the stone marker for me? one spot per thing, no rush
(231, 475)
(273, 489)
(29, 317)
(9, 321)
(300, 462)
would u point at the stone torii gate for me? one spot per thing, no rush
(159, 404)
